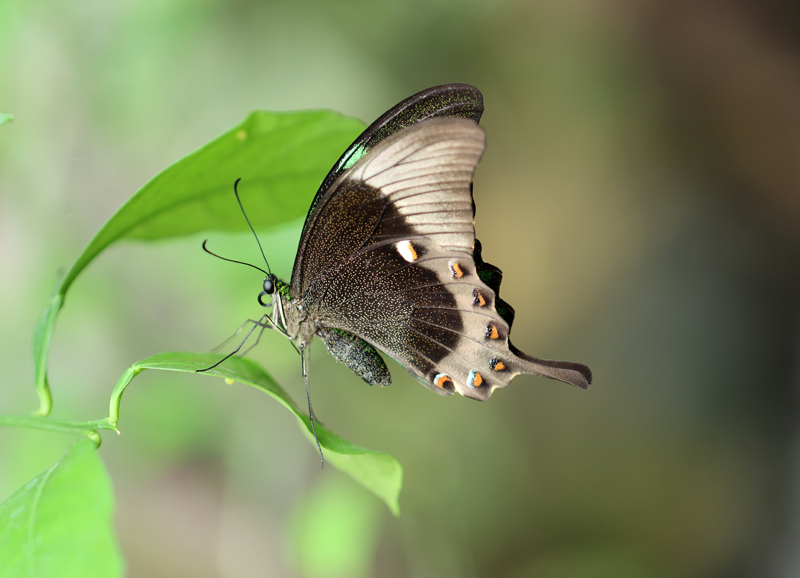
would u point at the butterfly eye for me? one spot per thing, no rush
(261, 297)
(269, 286)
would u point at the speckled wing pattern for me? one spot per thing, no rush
(389, 255)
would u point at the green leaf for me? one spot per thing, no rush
(59, 523)
(281, 158)
(5, 117)
(378, 472)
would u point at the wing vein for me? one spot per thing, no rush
(467, 361)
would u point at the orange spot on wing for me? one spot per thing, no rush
(491, 331)
(441, 380)
(456, 269)
(407, 251)
(497, 364)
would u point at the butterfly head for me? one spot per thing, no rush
(270, 286)
(286, 313)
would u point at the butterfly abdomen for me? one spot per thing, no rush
(358, 355)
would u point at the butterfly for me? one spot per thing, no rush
(388, 261)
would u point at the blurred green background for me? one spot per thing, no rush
(640, 190)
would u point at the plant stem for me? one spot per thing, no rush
(84, 428)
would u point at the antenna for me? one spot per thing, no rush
(231, 260)
(236, 192)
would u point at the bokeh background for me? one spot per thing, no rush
(640, 190)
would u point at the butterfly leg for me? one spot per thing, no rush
(260, 333)
(239, 330)
(277, 328)
(260, 323)
(304, 362)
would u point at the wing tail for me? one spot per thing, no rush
(570, 372)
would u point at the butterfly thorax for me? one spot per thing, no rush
(290, 317)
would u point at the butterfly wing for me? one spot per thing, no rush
(389, 255)
(446, 100)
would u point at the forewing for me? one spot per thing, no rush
(445, 101)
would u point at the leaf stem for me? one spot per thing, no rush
(42, 334)
(84, 428)
(116, 395)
